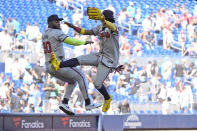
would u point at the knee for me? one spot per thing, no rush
(97, 84)
(74, 83)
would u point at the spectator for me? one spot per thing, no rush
(5, 92)
(131, 10)
(166, 106)
(122, 16)
(162, 94)
(148, 68)
(179, 70)
(34, 100)
(137, 49)
(191, 71)
(182, 40)
(149, 39)
(16, 70)
(2, 78)
(3, 107)
(10, 27)
(144, 91)
(8, 63)
(1, 22)
(191, 31)
(17, 103)
(138, 16)
(53, 103)
(77, 17)
(6, 41)
(125, 49)
(123, 107)
(16, 26)
(38, 73)
(48, 88)
(33, 32)
(146, 24)
(166, 69)
(186, 98)
(77, 97)
(123, 38)
(154, 69)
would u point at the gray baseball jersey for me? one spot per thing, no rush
(108, 56)
(52, 40)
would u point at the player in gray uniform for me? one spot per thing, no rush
(106, 59)
(53, 39)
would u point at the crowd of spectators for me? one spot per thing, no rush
(170, 83)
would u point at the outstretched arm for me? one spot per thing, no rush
(76, 42)
(95, 14)
(80, 30)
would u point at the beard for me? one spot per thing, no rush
(55, 27)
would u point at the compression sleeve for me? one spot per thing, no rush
(110, 25)
(75, 42)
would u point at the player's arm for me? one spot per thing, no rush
(76, 42)
(80, 30)
(95, 14)
(108, 24)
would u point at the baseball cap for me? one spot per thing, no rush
(109, 15)
(53, 17)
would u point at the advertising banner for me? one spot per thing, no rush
(78, 122)
(1, 123)
(24, 122)
(160, 121)
(112, 122)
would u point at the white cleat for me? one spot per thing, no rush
(66, 109)
(92, 106)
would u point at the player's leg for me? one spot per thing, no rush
(90, 59)
(83, 85)
(70, 74)
(67, 92)
(102, 73)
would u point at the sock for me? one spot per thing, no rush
(69, 63)
(87, 101)
(104, 92)
(65, 101)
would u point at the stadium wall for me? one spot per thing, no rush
(95, 122)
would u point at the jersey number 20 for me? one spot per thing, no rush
(47, 47)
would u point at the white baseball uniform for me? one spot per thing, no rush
(53, 41)
(107, 58)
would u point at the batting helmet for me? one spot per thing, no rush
(109, 15)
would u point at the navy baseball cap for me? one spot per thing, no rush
(109, 15)
(54, 17)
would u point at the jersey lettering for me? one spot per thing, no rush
(47, 47)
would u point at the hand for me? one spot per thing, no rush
(119, 68)
(95, 13)
(89, 42)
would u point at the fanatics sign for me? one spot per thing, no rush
(76, 122)
(27, 122)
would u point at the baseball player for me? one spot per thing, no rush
(53, 39)
(106, 59)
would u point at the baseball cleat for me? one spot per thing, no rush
(92, 106)
(66, 109)
(55, 64)
(106, 104)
